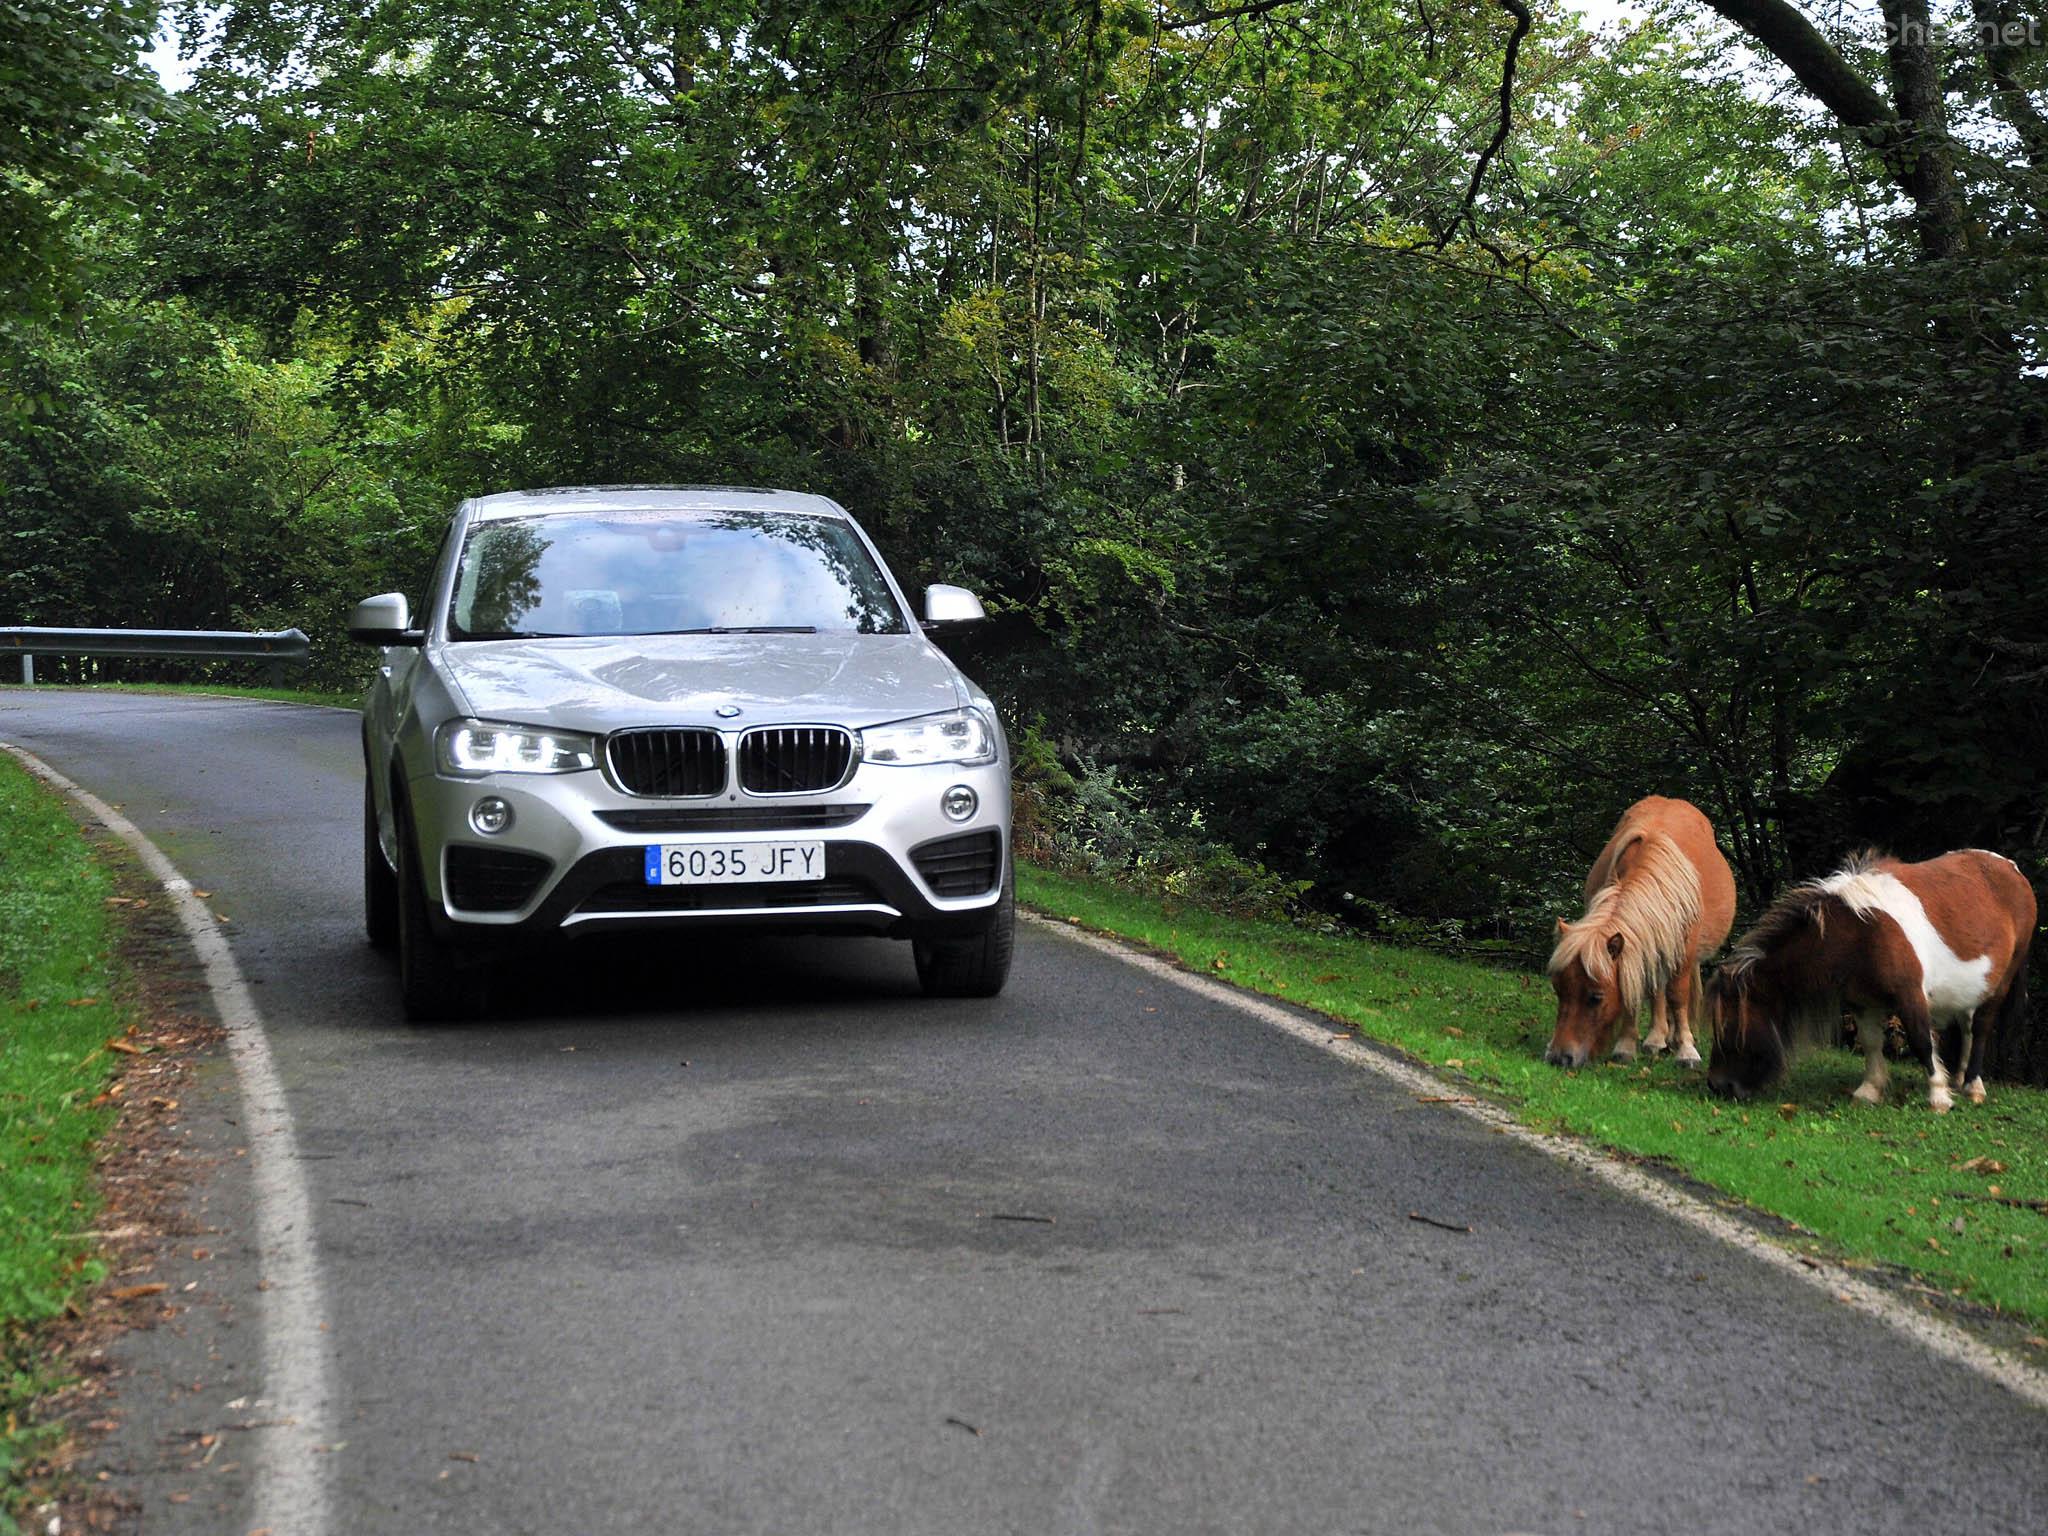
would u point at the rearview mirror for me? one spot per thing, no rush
(384, 620)
(951, 605)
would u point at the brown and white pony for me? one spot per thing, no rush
(1659, 899)
(1943, 945)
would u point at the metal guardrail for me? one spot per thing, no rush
(280, 648)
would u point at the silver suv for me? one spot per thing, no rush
(653, 707)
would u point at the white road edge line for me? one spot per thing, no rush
(291, 1470)
(1932, 1333)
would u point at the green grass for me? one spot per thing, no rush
(1876, 1184)
(326, 696)
(58, 1007)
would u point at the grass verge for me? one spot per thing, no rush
(1960, 1199)
(58, 1008)
(329, 697)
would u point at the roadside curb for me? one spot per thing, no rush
(290, 1490)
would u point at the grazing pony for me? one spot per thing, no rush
(1659, 900)
(1943, 945)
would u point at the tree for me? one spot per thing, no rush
(73, 99)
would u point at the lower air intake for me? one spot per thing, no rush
(492, 879)
(960, 866)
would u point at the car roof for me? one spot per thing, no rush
(586, 498)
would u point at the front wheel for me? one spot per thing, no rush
(976, 965)
(437, 983)
(380, 885)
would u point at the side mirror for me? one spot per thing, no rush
(384, 620)
(951, 605)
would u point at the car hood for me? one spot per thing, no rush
(602, 682)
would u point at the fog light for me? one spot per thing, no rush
(959, 802)
(490, 815)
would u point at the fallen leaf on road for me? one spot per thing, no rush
(137, 1292)
(470, 1456)
(123, 1046)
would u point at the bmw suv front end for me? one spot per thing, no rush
(637, 709)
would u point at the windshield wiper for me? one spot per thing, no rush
(744, 629)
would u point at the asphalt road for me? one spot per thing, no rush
(705, 1238)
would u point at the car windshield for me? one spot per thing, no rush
(648, 572)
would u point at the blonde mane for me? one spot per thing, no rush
(1653, 906)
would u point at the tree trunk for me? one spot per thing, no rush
(1925, 164)
(1911, 136)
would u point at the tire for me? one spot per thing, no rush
(978, 964)
(380, 884)
(437, 984)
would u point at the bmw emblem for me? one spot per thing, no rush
(727, 711)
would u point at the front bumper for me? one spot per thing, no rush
(594, 880)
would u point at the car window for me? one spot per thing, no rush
(667, 572)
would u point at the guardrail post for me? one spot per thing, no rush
(28, 667)
(273, 674)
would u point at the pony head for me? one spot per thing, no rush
(1586, 970)
(1748, 1023)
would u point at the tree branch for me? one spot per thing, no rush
(1795, 42)
(1523, 22)
(1227, 13)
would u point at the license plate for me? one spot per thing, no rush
(733, 863)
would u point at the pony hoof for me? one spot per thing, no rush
(1867, 1094)
(1941, 1103)
(1657, 1045)
(1626, 1051)
(1688, 1056)
(1976, 1090)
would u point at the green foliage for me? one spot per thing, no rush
(73, 98)
(57, 1006)
(1090, 823)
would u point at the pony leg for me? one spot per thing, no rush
(1625, 1042)
(1920, 1037)
(1975, 1036)
(1685, 1002)
(1954, 1045)
(1660, 1028)
(1870, 1035)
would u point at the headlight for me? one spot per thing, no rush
(470, 747)
(964, 736)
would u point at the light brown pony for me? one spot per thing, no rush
(1659, 899)
(1942, 944)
